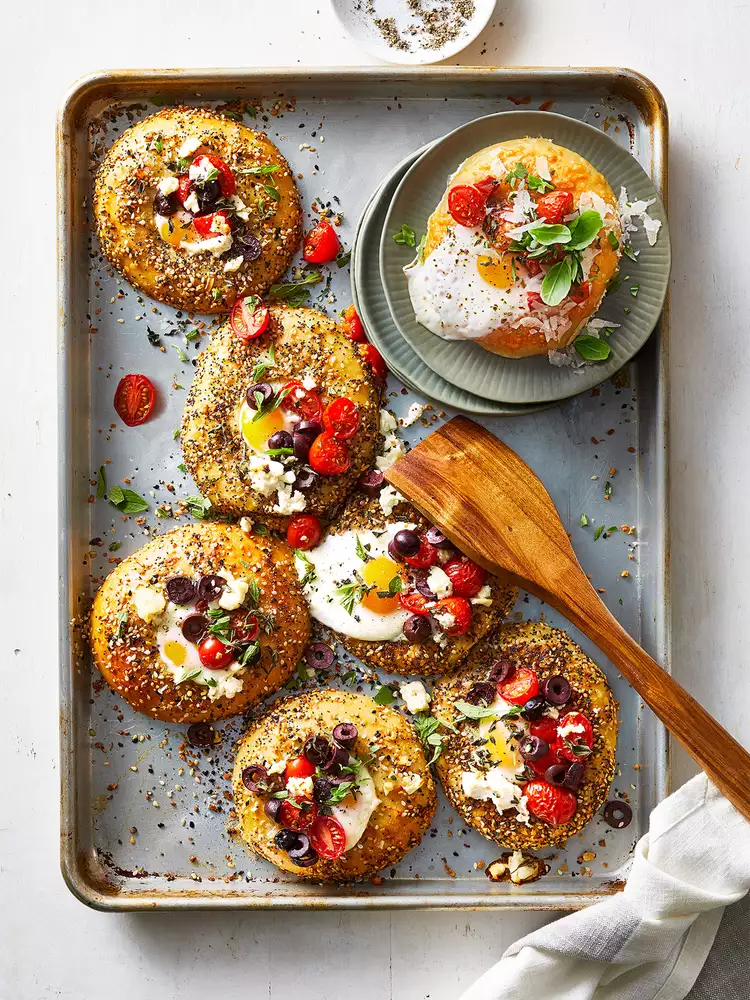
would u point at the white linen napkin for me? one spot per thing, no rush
(650, 941)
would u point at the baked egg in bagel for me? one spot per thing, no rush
(531, 754)
(200, 623)
(519, 252)
(197, 209)
(332, 786)
(394, 590)
(284, 423)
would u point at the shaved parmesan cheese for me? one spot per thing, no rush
(522, 206)
(542, 168)
(638, 210)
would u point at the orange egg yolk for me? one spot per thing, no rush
(175, 652)
(179, 234)
(499, 749)
(257, 432)
(378, 574)
(496, 271)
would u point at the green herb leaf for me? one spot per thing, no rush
(263, 364)
(613, 241)
(584, 520)
(122, 621)
(557, 282)
(272, 192)
(180, 353)
(628, 250)
(275, 452)
(592, 348)
(114, 546)
(175, 433)
(548, 234)
(343, 258)
(153, 337)
(475, 711)
(384, 695)
(182, 467)
(188, 674)
(101, 483)
(352, 593)
(539, 184)
(428, 729)
(263, 170)
(127, 501)
(598, 532)
(198, 507)
(634, 290)
(607, 490)
(405, 236)
(584, 230)
(296, 292)
(518, 173)
(361, 551)
(396, 585)
(310, 573)
(420, 249)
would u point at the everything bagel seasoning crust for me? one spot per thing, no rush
(232, 218)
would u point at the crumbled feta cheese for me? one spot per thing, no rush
(216, 246)
(389, 499)
(188, 147)
(411, 782)
(220, 225)
(289, 501)
(393, 450)
(439, 582)
(551, 711)
(415, 696)
(570, 727)
(278, 767)
(234, 593)
(387, 423)
(168, 185)
(415, 412)
(247, 525)
(149, 603)
(484, 597)
(445, 619)
(234, 264)
(496, 786)
(300, 787)
(191, 203)
(226, 686)
(308, 382)
(266, 474)
(240, 207)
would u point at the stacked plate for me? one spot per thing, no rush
(462, 374)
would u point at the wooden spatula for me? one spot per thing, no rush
(494, 509)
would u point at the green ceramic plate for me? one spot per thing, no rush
(526, 380)
(369, 300)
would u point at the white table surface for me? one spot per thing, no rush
(51, 945)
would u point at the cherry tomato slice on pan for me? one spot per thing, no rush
(321, 244)
(134, 399)
(249, 317)
(375, 360)
(226, 177)
(581, 293)
(304, 402)
(327, 837)
(204, 224)
(414, 602)
(341, 418)
(466, 204)
(214, 655)
(581, 741)
(520, 686)
(303, 532)
(299, 767)
(353, 326)
(329, 457)
(460, 609)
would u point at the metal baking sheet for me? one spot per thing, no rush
(146, 822)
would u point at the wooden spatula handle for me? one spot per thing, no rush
(725, 762)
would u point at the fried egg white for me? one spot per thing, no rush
(355, 811)
(465, 289)
(182, 660)
(502, 751)
(257, 430)
(340, 572)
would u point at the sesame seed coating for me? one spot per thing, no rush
(548, 651)
(124, 646)
(305, 342)
(397, 824)
(126, 184)
(424, 659)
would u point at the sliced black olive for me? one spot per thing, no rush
(322, 789)
(437, 539)
(317, 749)
(264, 390)
(420, 581)
(285, 839)
(319, 655)
(556, 690)
(618, 813)
(181, 590)
(573, 776)
(305, 479)
(166, 204)
(407, 542)
(500, 671)
(271, 809)
(281, 439)
(337, 759)
(200, 734)
(417, 629)
(194, 628)
(207, 193)
(533, 748)
(309, 427)
(481, 693)
(255, 778)
(302, 444)
(371, 482)
(345, 734)
(210, 587)
(247, 244)
(534, 708)
(555, 774)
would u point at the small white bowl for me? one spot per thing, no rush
(358, 18)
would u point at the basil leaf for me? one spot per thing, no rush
(598, 532)
(584, 520)
(101, 483)
(384, 696)
(405, 236)
(475, 711)
(628, 250)
(272, 192)
(295, 292)
(269, 168)
(126, 501)
(613, 241)
(584, 230)
(188, 673)
(116, 496)
(547, 234)
(556, 284)
(343, 258)
(198, 507)
(592, 348)
(420, 249)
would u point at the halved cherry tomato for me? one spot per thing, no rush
(546, 729)
(303, 532)
(185, 186)
(581, 293)
(553, 207)
(214, 655)
(134, 399)
(321, 244)
(249, 317)
(298, 767)
(522, 684)
(204, 224)
(532, 266)
(486, 186)
(244, 626)
(550, 803)
(328, 456)
(467, 578)
(328, 838)
(427, 555)
(466, 204)
(583, 740)
(226, 177)
(375, 360)
(460, 609)
(341, 418)
(353, 326)
(305, 403)
(534, 300)
(414, 602)
(297, 814)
